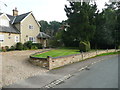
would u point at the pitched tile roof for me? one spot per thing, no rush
(43, 35)
(10, 29)
(19, 18)
(13, 20)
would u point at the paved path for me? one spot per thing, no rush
(49, 77)
(100, 75)
(15, 66)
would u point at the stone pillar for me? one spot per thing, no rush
(82, 55)
(49, 59)
(107, 50)
(96, 52)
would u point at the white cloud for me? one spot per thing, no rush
(42, 9)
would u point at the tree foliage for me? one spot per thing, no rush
(50, 28)
(86, 23)
(106, 35)
(81, 21)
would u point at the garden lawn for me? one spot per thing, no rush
(58, 52)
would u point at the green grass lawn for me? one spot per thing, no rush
(66, 51)
(110, 53)
(58, 52)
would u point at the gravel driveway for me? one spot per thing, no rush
(15, 66)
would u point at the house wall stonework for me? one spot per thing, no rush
(51, 63)
(3, 17)
(26, 32)
(9, 39)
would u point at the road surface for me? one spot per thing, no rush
(103, 74)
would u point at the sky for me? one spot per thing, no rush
(48, 10)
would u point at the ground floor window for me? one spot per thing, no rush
(1, 38)
(33, 39)
(16, 39)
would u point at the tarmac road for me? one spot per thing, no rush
(103, 74)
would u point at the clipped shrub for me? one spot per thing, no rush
(7, 48)
(28, 44)
(34, 47)
(84, 46)
(12, 48)
(38, 45)
(25, 47)
(19, 46)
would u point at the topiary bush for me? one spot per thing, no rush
(84, 46)
(19, 46)
(25, 47)
(7, 48)
(28, 44)
(38, 45)
(34, 47)
(12, 48)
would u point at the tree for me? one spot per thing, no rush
(50, 28)
(81, 19)
(118, 25)
(54, 27)
(105, 33)
(44, 25)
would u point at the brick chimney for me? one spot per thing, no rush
(15, 12)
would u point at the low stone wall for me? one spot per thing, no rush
(43, 62)
(54, 62)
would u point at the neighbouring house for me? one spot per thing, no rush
(20, 28)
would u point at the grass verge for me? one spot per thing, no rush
(110, 53)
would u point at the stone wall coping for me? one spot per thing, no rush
(38, 58)
(31, 56)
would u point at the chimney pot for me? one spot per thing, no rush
(15, 12)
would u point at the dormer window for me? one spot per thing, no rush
(4, 22)
(31, 27)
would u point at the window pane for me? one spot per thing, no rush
(1, 38)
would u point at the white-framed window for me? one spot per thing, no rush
(4, 22)
(16, 38)
(33, 39)
(1, 38)
(31, 27)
